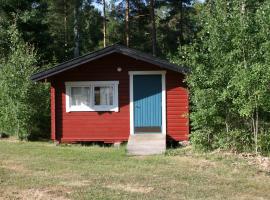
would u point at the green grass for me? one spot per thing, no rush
(35, 170)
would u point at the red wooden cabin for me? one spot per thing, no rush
(114, 93)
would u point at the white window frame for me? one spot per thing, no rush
(114, 85)
(91, 85)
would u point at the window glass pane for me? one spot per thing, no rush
(80, 96)
(103, 95)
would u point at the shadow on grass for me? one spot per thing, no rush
(96, 143)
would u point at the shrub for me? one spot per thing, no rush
(201, 140)
(236, 140)
(264, 143)
(3, 135)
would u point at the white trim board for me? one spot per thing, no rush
(164, 103)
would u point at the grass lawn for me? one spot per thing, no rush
(35, 170)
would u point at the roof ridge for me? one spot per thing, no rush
(115, 48)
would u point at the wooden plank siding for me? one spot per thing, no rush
(177, 107)
(114, 126)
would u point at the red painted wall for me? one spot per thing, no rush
(114, 126)
(53, 113)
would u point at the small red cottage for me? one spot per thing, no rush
(118, 94)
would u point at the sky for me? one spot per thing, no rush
(98, 6)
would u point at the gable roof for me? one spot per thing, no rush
(116, 48)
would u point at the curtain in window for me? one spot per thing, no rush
(80, 96)
(104, 95)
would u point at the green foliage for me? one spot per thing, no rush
(31, 22)
(49, 25)
(201, 140)
(176, 25)
(21, 101)
(235, 140)
(230, 76)
(264, 143)
(115, 23)
(90, 24)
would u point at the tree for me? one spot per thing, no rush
(127, 22)
(230, 79)
(90, 30)
(103, 3)
(60, 21)
(23, 103)
(104, 23)
(139, 25)
(176, 24)
(76, 30)
(71, 28)
(153, 28)
(31, 23)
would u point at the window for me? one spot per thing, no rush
(103, 95)
(92, 96)
(80, 96)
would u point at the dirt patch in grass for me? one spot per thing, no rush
(262, 162)
(75, 183)
(55, 193)
(247, 196)
(195, 162)
(10, 139)
(131, 188)
(14, 166)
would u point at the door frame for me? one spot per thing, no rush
(131, 104)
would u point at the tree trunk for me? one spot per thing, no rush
(104, 24)
(243, 7)
(153, 22)
(18, 122)
(181, 37)
(76, 31)
(127, 22)
(227, 124)
(256, 129)
(210, 5)
(65, 27)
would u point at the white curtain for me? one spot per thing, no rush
(80, 96)
(106, 96)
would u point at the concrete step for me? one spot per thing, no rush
(140, 152)
(146, 144)
(144, 153)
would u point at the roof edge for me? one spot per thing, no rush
(116, 48)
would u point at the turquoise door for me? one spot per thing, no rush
(147, 98)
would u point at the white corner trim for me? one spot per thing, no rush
(67, 95)
(131, 107)
(164, 103)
